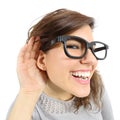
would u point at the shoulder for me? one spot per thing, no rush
(106, 109)
(105, 112)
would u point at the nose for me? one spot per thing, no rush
(89, 58)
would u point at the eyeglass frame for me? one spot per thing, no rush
(88, 45)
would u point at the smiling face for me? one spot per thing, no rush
(67, 76)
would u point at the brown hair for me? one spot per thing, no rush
(61, 22)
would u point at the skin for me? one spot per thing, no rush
(61, 84)
(32, 67)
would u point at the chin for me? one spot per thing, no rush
(82, 93)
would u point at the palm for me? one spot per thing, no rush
(31, 78)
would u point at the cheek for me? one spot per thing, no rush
(54, 64)
(57, 67)
(56, 59)
(95, 64)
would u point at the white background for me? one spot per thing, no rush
(16, 16)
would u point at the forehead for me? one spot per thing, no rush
(84, 32)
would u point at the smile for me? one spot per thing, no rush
(82, 77)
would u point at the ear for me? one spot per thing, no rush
(41, 61)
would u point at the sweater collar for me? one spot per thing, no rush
(53, 105)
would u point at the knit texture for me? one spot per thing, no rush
(48, 108)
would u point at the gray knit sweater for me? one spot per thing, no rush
(48, 108)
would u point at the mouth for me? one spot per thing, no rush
(83, 77)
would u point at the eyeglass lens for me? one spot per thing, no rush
(99, 50)
(77, 48)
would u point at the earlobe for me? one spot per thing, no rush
(41, 61)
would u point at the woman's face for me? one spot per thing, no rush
(67, 76)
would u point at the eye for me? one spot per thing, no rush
(73, 46)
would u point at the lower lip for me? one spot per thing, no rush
(81, 81)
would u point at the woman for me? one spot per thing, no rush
(57, 71)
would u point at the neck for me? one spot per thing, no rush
(54, 91)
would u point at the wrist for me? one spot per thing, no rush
(24, 105)
(29, 92)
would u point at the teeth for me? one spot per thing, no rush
(81, 74)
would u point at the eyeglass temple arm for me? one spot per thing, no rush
(99, 49)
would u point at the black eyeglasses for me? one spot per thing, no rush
(76, 47)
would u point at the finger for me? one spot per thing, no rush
(22, 53)
(35, 49)
(36, 44)
(30, 44)
(29, 48)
